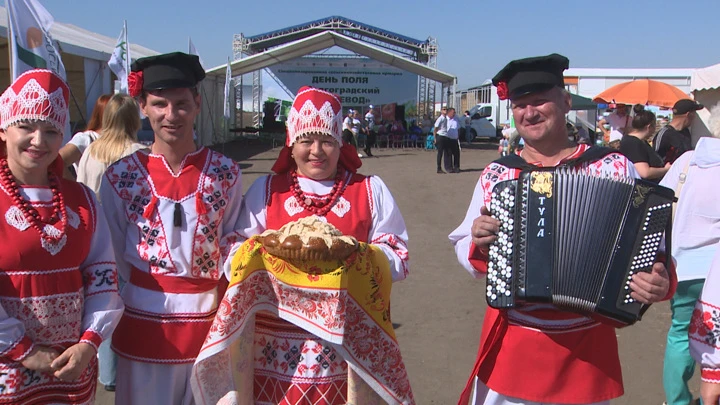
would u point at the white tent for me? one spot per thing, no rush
(705, 85)
(211, 120)
(85, 55)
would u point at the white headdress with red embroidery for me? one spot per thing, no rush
(36, 95)
(314, 111)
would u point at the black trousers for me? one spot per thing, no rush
(450, 148)
(348, 137)
(370, 142)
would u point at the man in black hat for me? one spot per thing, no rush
(172, 215)
(538, 353)
(674, 138)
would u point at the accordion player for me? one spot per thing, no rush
(574, 240)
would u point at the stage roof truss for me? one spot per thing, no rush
(326, 40)
(401, 44)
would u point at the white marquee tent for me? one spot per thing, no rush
(84, 54)
(705, 85)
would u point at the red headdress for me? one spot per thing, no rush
(315, 111)
(36, 95)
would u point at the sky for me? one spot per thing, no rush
(476, 39)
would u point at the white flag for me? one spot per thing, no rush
(193, 51)
(120, 60)
(228, 86)
(32, 45)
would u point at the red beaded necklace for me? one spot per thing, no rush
(28, 211)
(322, 206)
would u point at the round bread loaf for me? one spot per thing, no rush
(316, 249)
(315, 240)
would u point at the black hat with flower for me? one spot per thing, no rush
(531, 75)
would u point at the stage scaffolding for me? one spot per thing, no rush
(424, 52)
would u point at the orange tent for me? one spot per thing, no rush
(642, 91)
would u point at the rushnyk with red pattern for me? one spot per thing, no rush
(366, 210)
(53, 294)
(581, 352)
(704, 330)
(173, 271)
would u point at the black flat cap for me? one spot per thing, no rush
(169, 71)
(530, 75)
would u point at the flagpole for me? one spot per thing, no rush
(10, 41)
(127, 44)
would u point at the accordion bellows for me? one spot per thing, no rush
(575, 240)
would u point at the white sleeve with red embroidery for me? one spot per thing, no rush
(704, 330)
(461, 237)
(231, 238)
(388, 231)
(117, 222)
(103, 306)
(251, 218)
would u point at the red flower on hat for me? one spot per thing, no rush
(135, 83)
(502, 90)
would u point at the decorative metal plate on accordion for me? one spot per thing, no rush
(575, 240)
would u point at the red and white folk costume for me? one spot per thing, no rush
(171, 233)
(361, 206)
(538, 353)
(59, 281)
(704, 331)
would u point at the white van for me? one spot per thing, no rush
(482, 126)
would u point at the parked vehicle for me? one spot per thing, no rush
(482, 126)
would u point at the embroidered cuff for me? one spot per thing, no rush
(711, 375)
(20, 350)
(478, 258)
(92, 338)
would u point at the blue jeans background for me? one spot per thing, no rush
(107, 358)
(108, 362)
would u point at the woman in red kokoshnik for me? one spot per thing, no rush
(316, 174)
(58, 295)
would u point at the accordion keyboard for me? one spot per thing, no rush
(652, 232)
(500, 291)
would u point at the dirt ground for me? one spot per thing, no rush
(438, 309)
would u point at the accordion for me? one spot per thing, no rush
(575, 240)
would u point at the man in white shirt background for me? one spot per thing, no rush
(468, 123)
(356, 125)
(370, 130)
(440, 132)
(453, 141)
(350, 130)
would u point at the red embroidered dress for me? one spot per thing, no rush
(538, 353)
(293, 366)
(172, 232)
(53, 294)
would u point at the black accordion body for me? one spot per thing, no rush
(574, 240)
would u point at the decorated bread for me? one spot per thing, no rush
(309, 238)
